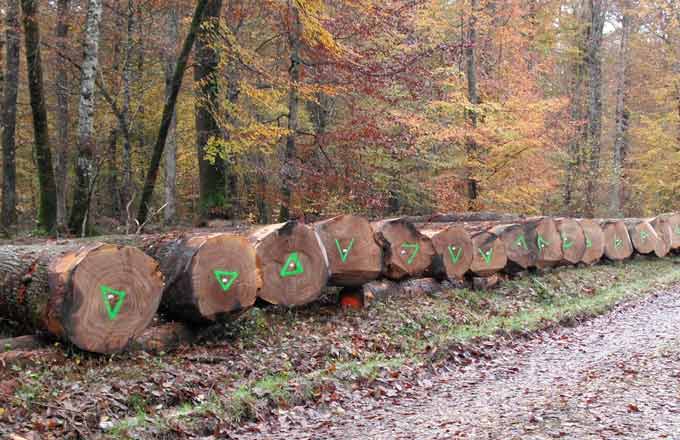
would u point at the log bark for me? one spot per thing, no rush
(207, 276)
(99, 296)
(573, 240)
(594, 237)
(165, 338)
(28, 342)
(406, 252)
(643, 236)
(292, 262)
(381, 290)
(453, 251)
(617, 244)
(460, 217)
(664, 233)
(489, 255)
(354, 257)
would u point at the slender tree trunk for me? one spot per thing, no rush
(47, 210)
(594, 67)
(622, 115)
(172, 38)
(168, 110)
(127, 190)
(289, 171)
(212, 174)
(62, 116)
(473, 97)
(9, 113)
(112, 180)
(85, 165)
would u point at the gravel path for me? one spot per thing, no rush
(614, 377)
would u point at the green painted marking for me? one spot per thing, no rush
(644, 235)
(109, 294)
(344, 252)
(541, 242)
(617, 242)
(416, 249)
(292, 266)
(566, 244)
(677, 230)
(455, 253)
(487, 255)
(589, 242)
(225, 278)
(521, 241)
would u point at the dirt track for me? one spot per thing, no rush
(614, 377)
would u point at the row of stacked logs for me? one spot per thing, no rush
(102, 297)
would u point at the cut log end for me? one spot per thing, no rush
(407, 252)
(544, 237)
(354, 257)
(594, 241)
(519, 253)
(573, 240)
(617, 244)
(107, 296)
(643, 236)
(489, 254)
(664, 234)
(454, 251)
(293, 265)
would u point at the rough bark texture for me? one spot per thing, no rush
(406, 252)
(207, 276)
(489, 254)
(381, 290)
(47, 210)
(617, 244)
(74, 292)
(458, 217)
(9, 114)
(168, 110)
(86, 168)
(292, 263)
(642, 235)
(573, 240)
(289, 169)
(213, 200)
(453, 251)
(164, 338)
(354, 257)
(170, 183)
(594, 237)
(62, 92)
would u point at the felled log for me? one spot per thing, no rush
(544, 239)
(485, 283)
(98, 297)
(354, 257)
(520, 254)
(488, 254)
(207, 276)
(406, 252)
(594, 238)
(453, 249)
(673, 220)
(165, 338)
(27, 342)
(292, 263)
(664, 233)
(573, 240)
(617, 244)
(642, 235)
(465, 217)
(379, 290)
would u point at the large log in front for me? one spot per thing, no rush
(98, 297)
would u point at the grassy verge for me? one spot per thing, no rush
(278, 358)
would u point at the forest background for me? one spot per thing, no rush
(263, 110)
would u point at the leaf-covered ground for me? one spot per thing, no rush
(312, 369)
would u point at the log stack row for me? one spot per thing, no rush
(101, 297)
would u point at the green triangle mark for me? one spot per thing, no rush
(416, 249)
(225, 278)
(677, 230)
(521, 242)
(455, 253)
(292, 266)
(566, 244)
(644, 235)
(589, 242)
(107, 295)
(344, 253)
(617, 242)
(488, 255)
(541, 242)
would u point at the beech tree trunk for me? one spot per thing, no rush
(9, 114)
(207, 276)
(168, 110)
(292, 263)
(86, 168)
(473, 98)
(406, 251)
(617, 244)
(172, 39)
(453, 251)
(62, 116)
(594, 237)
(98, 296)
(47, 210)
(354, 257)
